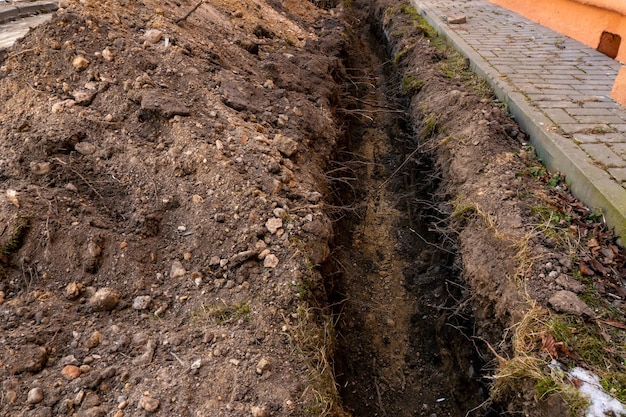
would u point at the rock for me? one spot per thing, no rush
(241, 257)
(263, 254)
(80, 63)
(285, 145)
(91, 400)
(12, 197)
(241, 95)
(142, 302)
(85, 148)
(177, 270)
(259, 411)
(163, 104)
(270, 261)
(68, 360)
(149, 404)
(28, 358)
(153, 35)
(104, 299)
(93, 340)
(72, 290)
(567, 302)
(147, 356)
(457, 20)
(570, 284)
(263, 366)
(35, 395)
(70, 372)
(84, 97)
(107, 54)
(40, 168)
(10, 396)
(1, 297)
(273, 224)
(196, 199)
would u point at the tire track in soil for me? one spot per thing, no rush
(400, 351)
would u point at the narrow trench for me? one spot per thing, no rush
(404, 332)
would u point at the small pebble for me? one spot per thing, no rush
(149, 404)
(70, 372)
(142, 302)
(35, 395)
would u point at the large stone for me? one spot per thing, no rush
(567, 302)
(285, 145)
(104, 299)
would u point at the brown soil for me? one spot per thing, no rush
(225, 214)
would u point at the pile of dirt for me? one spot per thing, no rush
(163, 180)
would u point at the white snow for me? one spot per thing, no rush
(602, 404)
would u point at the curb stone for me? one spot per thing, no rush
(589, 183)
(15, 12)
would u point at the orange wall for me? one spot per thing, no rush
(583, 22)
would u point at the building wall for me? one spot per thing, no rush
(583, 20)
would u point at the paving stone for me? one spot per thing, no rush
(603, 154)
(618, 173)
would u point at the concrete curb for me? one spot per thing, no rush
(592, 185)
(15, 12)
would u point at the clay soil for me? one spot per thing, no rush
(272, 208)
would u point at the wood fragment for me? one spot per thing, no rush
(190, 12)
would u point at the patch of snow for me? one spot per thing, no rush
(601, 403)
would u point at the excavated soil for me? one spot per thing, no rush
(267, 208)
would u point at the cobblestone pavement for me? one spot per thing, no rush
(557, 89)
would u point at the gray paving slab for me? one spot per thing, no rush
(556, 88)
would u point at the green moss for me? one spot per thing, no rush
(16, 240)
(411, 84)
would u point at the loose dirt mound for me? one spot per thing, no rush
(162, 216)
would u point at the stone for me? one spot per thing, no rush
(107, 54)
(457, 20)
(270, 261)
(70, 372)
(148, 403)
(72, 290)
(93, 340)
(153, 35)
(177, 270)
(273, 224)
(259, 411)
(28, 358)
(263, 366)
(85, 148)
(105, 299)
(163, 104)
(142, 302)
(571, 284)
(80, 63)
(84, 97)
(40, 168)
(68, 360)
(567, 302)
(285, 145)
(35, 395)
